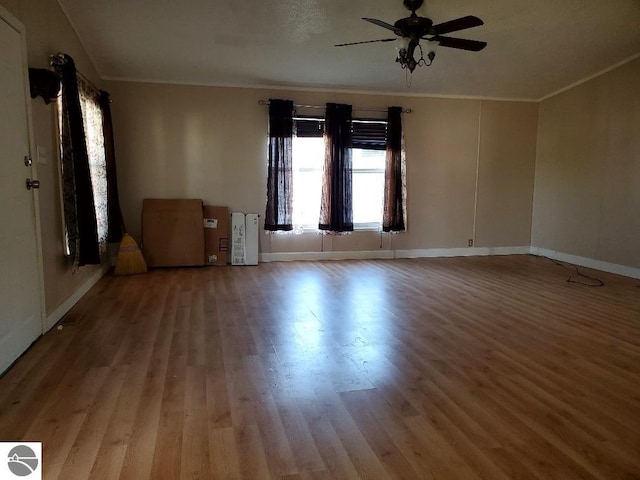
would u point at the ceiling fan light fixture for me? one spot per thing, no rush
(431, 55)
(431, 45)
(410, 30)
(406, 55)
(402, 43)
(403, 57)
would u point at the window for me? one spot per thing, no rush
(308, 156)
(368, 187)
(369, 157)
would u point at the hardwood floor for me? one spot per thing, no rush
(488, 368)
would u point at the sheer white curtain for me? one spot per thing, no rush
(92, 117)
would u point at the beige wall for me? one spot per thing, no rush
(506, 172)
(211, 143)
(48, 31)
(587, 182)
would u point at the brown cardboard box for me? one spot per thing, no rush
(172, 232)
(216, 235)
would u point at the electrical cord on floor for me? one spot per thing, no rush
(599, 283)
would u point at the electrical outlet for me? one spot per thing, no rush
(471, 242)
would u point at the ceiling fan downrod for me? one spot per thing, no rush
(413, 5)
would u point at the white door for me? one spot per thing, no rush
(20, 272)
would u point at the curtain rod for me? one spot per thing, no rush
(405, 110)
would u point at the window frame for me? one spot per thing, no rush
(359, 226)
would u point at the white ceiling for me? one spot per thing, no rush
(535, 47)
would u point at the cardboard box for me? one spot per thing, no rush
(172, 232)
(216, 235)
(244, 238)
(237, 238)
(251, 229)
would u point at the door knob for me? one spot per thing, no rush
(32, 184)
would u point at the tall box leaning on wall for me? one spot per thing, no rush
(237, 238)
(172, 232)
(216, 235)
(251, 229)
(244, 238)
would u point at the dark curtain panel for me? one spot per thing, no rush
(280, 170)
(114, 231)
(393, 218)
(79, 208)
(336, 210)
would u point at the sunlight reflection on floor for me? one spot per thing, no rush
(339, 341)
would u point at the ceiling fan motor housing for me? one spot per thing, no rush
(414, 26)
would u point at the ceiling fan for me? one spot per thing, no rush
(413, 28)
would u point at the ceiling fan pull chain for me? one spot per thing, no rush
(422, 61)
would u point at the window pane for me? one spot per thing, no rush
(368, 159)
(368, 185)
(308, 157)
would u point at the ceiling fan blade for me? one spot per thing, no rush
(461, 23)
(382, 24)
(461, 43)
(366, 41)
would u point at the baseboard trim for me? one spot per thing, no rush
(55, 316)
(390, 254)
(624, 270)
(461, 252)
(341, 255)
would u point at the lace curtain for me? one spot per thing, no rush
(92, 116)
(279, 212)
(336, 209)
(395, 184)
(115, 221)
(78, 200)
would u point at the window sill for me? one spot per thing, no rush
(356, 228)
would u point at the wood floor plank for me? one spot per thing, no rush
(278, 451)
(327, 442)
(142, 438)
(195, 463)
(167, 457)
(79, 461)
(381, 439)
(223, 454)
(478, 368)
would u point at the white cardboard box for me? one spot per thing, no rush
(251, 226)
(237, 239)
